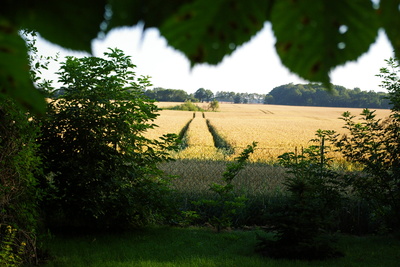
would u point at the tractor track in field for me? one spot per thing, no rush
(219, 142)
(266, 111)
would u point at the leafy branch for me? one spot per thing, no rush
(226, 204)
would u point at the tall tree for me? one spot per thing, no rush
(201, 94)
(103, 169)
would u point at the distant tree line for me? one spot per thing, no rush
(240, 98)
(203, 95)
(179, 95)
(168, 95)
(312, 94)
(316, 95)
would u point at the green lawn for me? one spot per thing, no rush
(203, 247)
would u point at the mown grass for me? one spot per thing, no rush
(166, 246)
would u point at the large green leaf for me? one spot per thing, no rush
(207, 30)
(313, 37)
(72, 24)
(390, 16)
(151, 13)
(15, 81)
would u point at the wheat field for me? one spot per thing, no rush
(277, 129)
(169, 121)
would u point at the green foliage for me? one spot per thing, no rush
(188, 217)
(391, 23)
(187, 106)
(310, 40)
(168, 95)
(241, 97)
(303, 222)
(311, 94)
(99, 168)
(390, 82)
(210, 40)
(302, 29)
(223, 209)
(375, 144)
(15, 79)
(19, 194)
(55, 21)
(203, 95)
(11, 253)
(37, 63)
(314, 94)
(201, 247)
(213, 105)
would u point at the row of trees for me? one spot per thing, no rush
(203, 95)
(314, 94)
(169, 95)
(179, 95)
(240, 98)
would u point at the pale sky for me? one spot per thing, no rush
(253, 68)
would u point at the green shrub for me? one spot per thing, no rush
(11, 252)
(302, 224)
(187, 106)
(375, 145)
(19, 194)
(213, 105)
(99, 169)
(221, 211)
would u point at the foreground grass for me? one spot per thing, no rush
(203, 247)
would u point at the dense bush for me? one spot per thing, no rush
(213, 105)
(375, 145)
(221, 211)
(18, 186)
(99, 169)
(302, 223)
(187, 106)
(19, 166)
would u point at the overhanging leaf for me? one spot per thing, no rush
(15, 81)
(207, 30)
(72, 24)
(313, 37)
(390, 17)
(151, 13)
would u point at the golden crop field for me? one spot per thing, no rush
(170, 121)
(277, 129)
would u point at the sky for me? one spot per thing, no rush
(253, 68)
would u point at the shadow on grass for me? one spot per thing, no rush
(202, 247)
